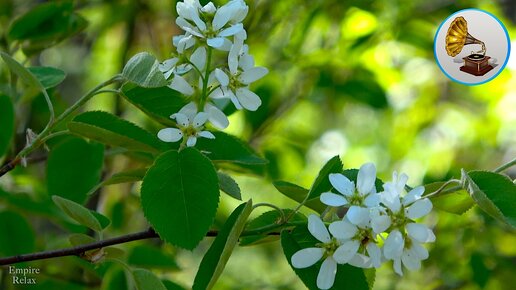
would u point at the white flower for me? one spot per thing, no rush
(190, 128)
(359, 199)
(221, 23)
(216, 117)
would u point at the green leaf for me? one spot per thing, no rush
(298, 194)
(228, 148)
(172, 285)
(142, 69)
(347, 277)
(23, 73)
(494, 193)
(114, 279)
(146, 280)
(49, 77)
(73, 168)
(17, 235)
(270, 218)
(151, 257)
(6, 123)
(457, 202)
(157, 103)
(46, 25)
(78, 213)
(112, 130)
(133, 175)
(80, 239)
(322, 182)
(218, 254)
(229, 185)
(180, 195)
(103, 220)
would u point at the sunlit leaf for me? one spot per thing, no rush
(322, 182)
(78, 213)
(6, 123)
(229, 185)
(218, 254)
(457, 202)
(228, 148)
(146, 280)
(298, 194)
(49, 77)
(142, 69)
(22, 72)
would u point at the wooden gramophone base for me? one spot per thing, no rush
(474, 71)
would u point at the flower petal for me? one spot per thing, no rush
(397, 266)
(168, 64)
(379, 222)
(419, 208)
(418, 232)
(413, 195)
(189, 110)
(346, 251)
(181, 85)
(246, 62)
(393, 246)
(372, 200)
(366, 178)
(181, 119)
(170, 135)
(342, 184)
(217, 118)
(343, 229)
(216, 42)
(332, 199)
(375, 253)
(206, 134)
(252, 75)
(192, 140)
(234, 29)
(358, 215)
(361, 261)
(390, 197)
(306, 257)
(222, 16)
(222, 77)
(410, 261)
(200, 119)
(248, 99)
(318, 229)
(326, 276)
(198, 58)
(419, 251)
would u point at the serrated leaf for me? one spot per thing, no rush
(151, 257)
(112, 130)
(77, 212)
(23, 73)
(229, 185)
(322, 182)
(142, 69)
(49, 77)
(80, 239)
(180, 195)
(17, 234)
(73, 168)
(298, 194)
(267, 219)
(146, 280)
(457, 202)
(218, 254)
(494, 193)
(6, 123)
(157, 103)
(346, 278)
(228, 148)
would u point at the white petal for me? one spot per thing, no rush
(390, 197)
(326, 276)
(375, 253)
(226, 46)
(252, 75)
(168, 64)
(393, 246)
(233, 56)
(342, 184)
(246, 62)
(222, 77)
(410, 261)
(189, 110)
(306, 257)
(332, 199)
(200, 119)
(217, 118)
(191, 141)
(235, 100)
(418, 232)
(170, 135)
(216, 42)
(361, 261)
(318, 229)
(222, 16)
(231, 30)
(198, 58)
(419, 208)
(397, 266)
(206, 134)
(209, 8)
(248, 99)
(197, 20)
(346, 251)
(366, 178)
(343, 229)
(358, 215)
(240, 13)
(181, 85)
(419, 251)
(372, 200)
(181, 119)
(413, 195)
(379, 223)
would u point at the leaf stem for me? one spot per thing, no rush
(283, 217)
(441, 189)
(505, 166)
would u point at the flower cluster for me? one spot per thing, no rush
(195, 72)
(377, 227)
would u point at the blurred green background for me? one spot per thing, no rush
(351, 78)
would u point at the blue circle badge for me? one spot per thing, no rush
(472, 46)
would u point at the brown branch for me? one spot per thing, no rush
(9, 166)
(80, 250)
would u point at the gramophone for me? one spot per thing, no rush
(477, 63)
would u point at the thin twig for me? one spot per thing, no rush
(505, 166)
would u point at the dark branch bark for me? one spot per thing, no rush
(8, 166)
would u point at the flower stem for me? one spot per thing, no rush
(505, 166)
(204, 95)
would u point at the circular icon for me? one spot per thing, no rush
(472, 46)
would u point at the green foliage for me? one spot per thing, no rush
(22, 72)
(272, 219)
(6, 123)
(112, 130)
(457, 202)
(114, 279)
(226, 148)
(348, 277)
(126, 176)
(180, 195)
(49, 77)
(322, 182)
(146, 280)
(298, 194)
(215, 259)
(80, 239)
(151, 257)
(142, 70)
(46, 25)
(229, 185)
(494, 193)
(77, 212)
(12, 225)
(74, 167)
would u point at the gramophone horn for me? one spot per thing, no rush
(458, 36)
